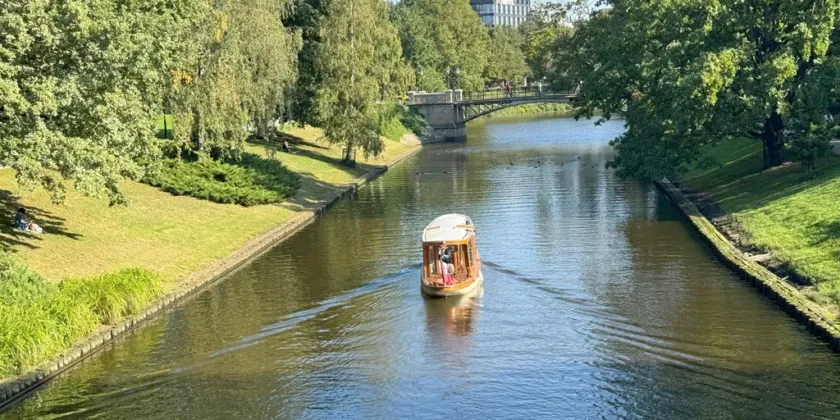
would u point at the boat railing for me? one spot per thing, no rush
(457, 278)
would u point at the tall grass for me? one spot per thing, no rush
(39, 319)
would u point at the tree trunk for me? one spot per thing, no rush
(349, 158)
(195, 134)
(774, 140)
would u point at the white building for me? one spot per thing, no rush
(502, 12)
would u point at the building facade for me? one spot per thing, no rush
(502, 12)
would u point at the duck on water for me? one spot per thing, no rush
(451, 265)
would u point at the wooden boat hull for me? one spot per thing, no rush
(456, 290)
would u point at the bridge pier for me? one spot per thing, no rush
(442, 113)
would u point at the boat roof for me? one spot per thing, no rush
(449, 227)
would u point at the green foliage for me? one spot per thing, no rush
(114, 296)
(412, 120)
(685, 74)
(80, 85)
(361, 63)
(544, 29)
(306, 18)
(507, 61)
(393, 129)
(397, 121)
(249, 181)
(41, 319)
(234, 73)
(782, 211)
(529, 109)
(445, 42)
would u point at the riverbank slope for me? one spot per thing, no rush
(786, 221)
(185, 241)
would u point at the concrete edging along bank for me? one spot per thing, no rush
(791, 300)
(13, 389)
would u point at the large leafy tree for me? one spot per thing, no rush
(507, 61)
(306, 18)
(80, 85)
(445, 42)
(688, 73)
(550, 47)
(236, 71)
(546, 24)
(360, 62)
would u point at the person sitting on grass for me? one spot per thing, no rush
(26, 225)
(285, 147)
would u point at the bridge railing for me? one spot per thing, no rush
(516, 92)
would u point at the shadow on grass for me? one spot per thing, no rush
(275, 140)
(758, 190)
(274, 145)
(11, 237)
(314, 192)
(826, 231)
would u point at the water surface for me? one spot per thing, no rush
(598, 302)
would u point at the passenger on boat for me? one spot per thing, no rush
(447, 268)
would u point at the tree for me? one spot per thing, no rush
(507, 62)
(236, 70)
(81, 83)
(360, 61)
(550, 47)
(306, 19)
(684, 74)
(445, 42)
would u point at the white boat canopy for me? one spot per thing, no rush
(449, 227)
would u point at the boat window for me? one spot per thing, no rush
(470, 255)
(431, 259)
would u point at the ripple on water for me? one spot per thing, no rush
(598, 302)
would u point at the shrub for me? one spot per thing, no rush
(40, 319)
(393, 129)
(250, 181)
(396, 121)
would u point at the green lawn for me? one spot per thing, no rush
(795, 217)
(169, 235)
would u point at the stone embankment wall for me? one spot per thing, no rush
(817, 318)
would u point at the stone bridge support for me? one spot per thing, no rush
(443, 114)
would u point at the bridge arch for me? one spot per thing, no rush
(447, 113)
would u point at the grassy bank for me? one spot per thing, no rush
(40, 319)
(782, 211)
(529, 109)
(161, 233)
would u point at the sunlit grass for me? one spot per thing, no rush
(170, 235)
(94, 264)
(784, 211)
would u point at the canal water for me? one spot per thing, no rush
(598, 302)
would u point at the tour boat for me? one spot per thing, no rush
(455, 233)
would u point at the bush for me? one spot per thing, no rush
(393, 129)
(527, 109)
(396, 121)
(250, 181)
(40, 319)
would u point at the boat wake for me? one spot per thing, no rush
(293, 319)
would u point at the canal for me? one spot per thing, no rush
(598, 302)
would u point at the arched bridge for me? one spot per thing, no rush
(447, 113)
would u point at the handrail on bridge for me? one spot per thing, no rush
(494, 94)
(513, 93)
